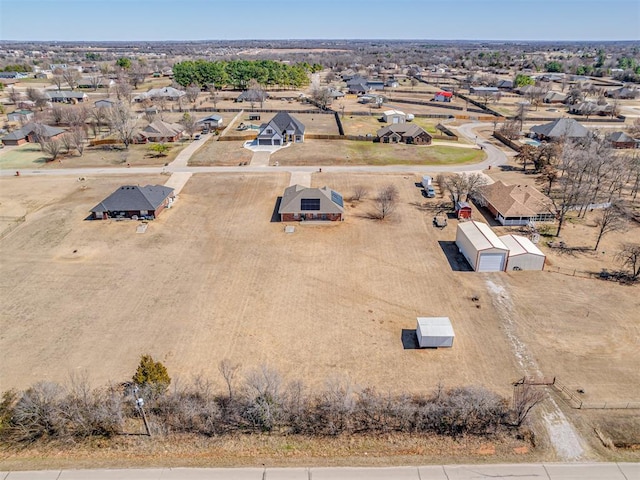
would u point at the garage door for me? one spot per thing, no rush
(490, 262)
(264, 142)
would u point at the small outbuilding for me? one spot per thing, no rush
(394, 116)
(482, 248)
(434, 332)
(463, 210)
(523, 254)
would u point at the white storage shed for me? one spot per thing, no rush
(434, 332)
(482, 248)
(394, 116)
(523, 254)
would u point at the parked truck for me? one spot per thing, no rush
(427, 181)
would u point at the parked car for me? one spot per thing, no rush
(196, 137)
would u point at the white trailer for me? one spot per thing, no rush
(427, 181)
(482, 248)
(434, 332)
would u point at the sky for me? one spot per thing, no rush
(152, 20)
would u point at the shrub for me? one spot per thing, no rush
(152, 376)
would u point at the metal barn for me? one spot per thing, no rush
(434, 332)
(482, 248)
(523, 254)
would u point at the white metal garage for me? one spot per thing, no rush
(482, 248)
(434, 332)
(523, 254)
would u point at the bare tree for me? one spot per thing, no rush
(510, 129)
(67, 141)
(386, 202)
(256, 93)
(14, 96)
(192, 92)
(215, 95)
(525, 398)
(53, 148)
(321, 96)
(359, 193)
(610, 219)
(521, 115)
(57, 113)
(189, 124)
(37, 97)
(526, 155)
(95, 80)
(122, 88)
(57, 79)
(122, 122)
(76, 116)
(99, 116)
(136, 74)
(71, 76)
(629, 257)
(78, 134)
(229, 370)
(461, 187)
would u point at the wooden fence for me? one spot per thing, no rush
(104, 141)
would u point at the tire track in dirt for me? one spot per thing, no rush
(564, 438)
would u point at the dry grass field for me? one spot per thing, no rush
(213, 278)
(347, 152)
(218, 153)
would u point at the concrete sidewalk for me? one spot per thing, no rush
(525, 471)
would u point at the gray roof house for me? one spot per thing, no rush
(281, 129)
(133, 201)
(302, 203)
(30, 132)
(212, 121)
(105, 102)
(562, 127)
(66, 96)
(408, 133)
(622, 140)
(168, 93)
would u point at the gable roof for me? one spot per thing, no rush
(330, 200)
(134, 198)
(66, 94)
(210, 118)
(516, 200)
(158, 128)
(444, 94)
(403, 129)
(45, 130)
(283, 122)
(481, 236)
(561, 127)
(552, 96)
(519, 245)
(620, 137)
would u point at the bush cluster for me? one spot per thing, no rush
(262, 403)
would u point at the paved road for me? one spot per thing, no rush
(549, 471)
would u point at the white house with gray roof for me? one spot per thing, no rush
(281, 129)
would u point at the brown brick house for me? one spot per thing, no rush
(300, 203)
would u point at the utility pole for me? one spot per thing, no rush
(140, 406)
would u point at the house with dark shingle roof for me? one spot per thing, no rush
(408, 133)
(133, 201)
(300, 203)
(622, 140)
(562, 127)
(516, 204)
(281, 129)
(31, 132)
(66, 96)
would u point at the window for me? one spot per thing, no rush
(307, 204)
(269, 130)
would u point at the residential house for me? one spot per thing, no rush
(14, 75)
(31, 133)
(135, 202)
(482, 90)
(408, 133)
(562, 127)
(516, 204)
(88, 82)
(391, 83)
(394, 116)
(167, 93)
(624, 93)
(105, 103)
(554, 97)
(159, 131)
(66, 96)
(300, 203)
(280, 130)
(591, 108)
(212, 122)
(505, 85)
(622, 140)
(252, 96)
(443, 96)
(22, 116)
